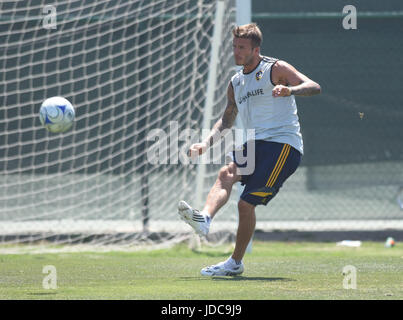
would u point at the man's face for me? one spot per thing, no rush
(243, 51)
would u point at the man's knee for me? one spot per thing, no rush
(246, 211)
(228, 174)
(245, 207)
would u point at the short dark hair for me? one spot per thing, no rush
(249, 31)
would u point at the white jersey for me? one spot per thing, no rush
(274, 119)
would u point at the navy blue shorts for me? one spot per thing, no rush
(274, 163)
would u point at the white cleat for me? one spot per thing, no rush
(200, 223)
(223, 269)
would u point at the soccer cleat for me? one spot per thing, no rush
(200, 223)
(223, 269)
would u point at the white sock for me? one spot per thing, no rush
(232, 262)
(207, 215)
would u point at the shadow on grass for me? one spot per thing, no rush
(241, 278)
(237, 278)
(41, 293)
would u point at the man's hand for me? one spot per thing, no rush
(197, 149)
(281, 91)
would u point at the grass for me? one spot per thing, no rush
(274, 270)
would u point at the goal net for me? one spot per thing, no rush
(137, 73)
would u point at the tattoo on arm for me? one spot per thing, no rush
(308, 88)
(227, 120)
(230, 113)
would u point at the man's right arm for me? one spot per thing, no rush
(225, 122)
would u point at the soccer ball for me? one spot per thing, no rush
(57, 114)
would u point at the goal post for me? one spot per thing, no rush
(211, 87)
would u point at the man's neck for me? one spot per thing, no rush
(247, 68)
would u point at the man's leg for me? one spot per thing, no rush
(221, 190)
(275, 163)
(217, 197)
(234, 266)
(246, 227)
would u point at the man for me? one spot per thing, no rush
(263, 95)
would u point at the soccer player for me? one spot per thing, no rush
(262, 92)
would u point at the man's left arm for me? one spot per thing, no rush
(289, 81)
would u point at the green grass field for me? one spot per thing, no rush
(273, 270)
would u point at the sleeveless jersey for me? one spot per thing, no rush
(274, 119)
